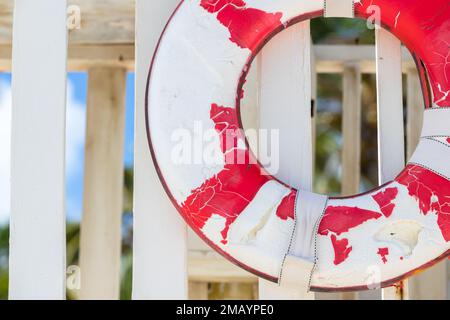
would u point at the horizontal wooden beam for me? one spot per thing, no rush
(205, 265)
(106, 36)
(84, 57)
(102, 21)
(334, 58)
(329, 58)
(208, 266)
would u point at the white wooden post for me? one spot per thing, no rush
(160, 237)
(100, 245)
(390, 122)
(285, 105)
(415, 109)
(37, 240)
(432, 283)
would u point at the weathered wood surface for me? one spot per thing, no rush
(159, 271)
(83, 56)
(107, 35)
(351, 128)
(37, 267)
(101, 241)
(102, 22)
(208, 266)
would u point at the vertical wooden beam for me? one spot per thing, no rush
(37, 240)
(415, 109)
(351, 129)
(432, 283)
(160, 237)
(390, 122)
(285, 105)
(100, 245)
(249, 103)
(314, 92)
(198, 290)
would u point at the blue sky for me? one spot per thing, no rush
(76, 115)
(75, 181)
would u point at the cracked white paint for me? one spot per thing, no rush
(402, 233)
(258, 213)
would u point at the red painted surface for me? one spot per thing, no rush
(341, 249)
(286, 209)
(423, 26)
(229, 192)
(384, 252)
(448, 140)
(341, 219)
(247, 26)
(384, 200)
(431, 191)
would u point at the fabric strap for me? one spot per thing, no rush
(309, 210)
(299, 262)
(339, 8)
(434, 155)
(436, 122)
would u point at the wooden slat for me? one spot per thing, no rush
(390, 106)
(330, 58)
(102, 21)
(198, 290)
(429, 285)
(208, 266)
(6, 19)
(432, 283)
(351, 128)
(314, 101)
(84, 57)
(285, 105)
(100, 245)
(159, 262)
(415, 109)
(334, 58)
(37, 240)
(390, 121)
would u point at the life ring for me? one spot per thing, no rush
(260, 223)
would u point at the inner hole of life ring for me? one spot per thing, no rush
(328, 110)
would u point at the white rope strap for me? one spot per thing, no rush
(339, 9)
(300, 261)
(433, 155)
(436, 122)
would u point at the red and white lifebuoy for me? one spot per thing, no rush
(256, 221)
